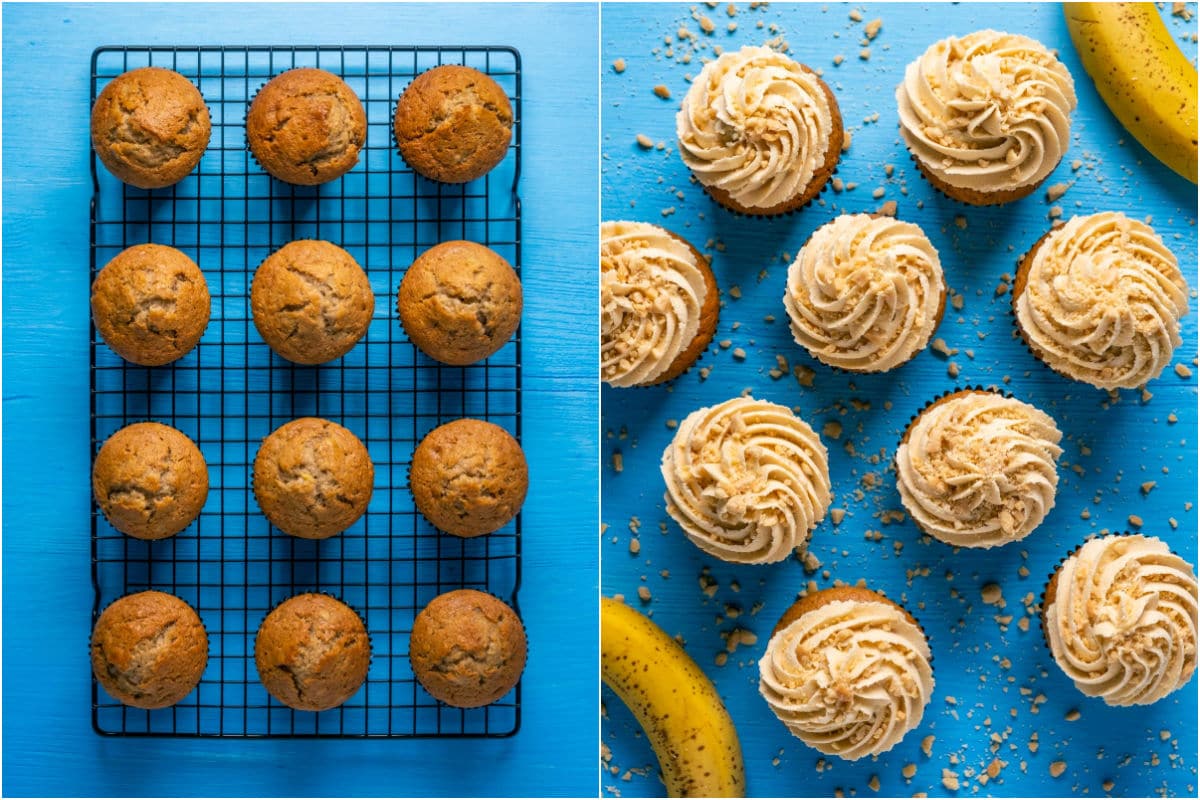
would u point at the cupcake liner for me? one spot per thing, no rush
(943, 192)
(253, 654)
(96, 614)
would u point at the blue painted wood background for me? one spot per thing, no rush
(49, 747)
(996, 685)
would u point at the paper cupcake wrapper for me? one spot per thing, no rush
(203, 628)
(917, 163)
(777, 214)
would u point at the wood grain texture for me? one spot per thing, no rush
(50, 748)
(996, 683)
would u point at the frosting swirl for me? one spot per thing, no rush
(989, 111)
(651, 293)
(1122, 623)
(1102, 301)
(865, 293)
(977, 469)
(755, 124)
(849, 678)
(746, 480)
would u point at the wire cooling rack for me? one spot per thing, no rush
(231, 391)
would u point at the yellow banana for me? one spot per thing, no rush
(1141, 74)
(679, 708)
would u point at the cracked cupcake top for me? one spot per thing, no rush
(151, 304)
(747, 480)
(313, 478)
(865, 293)
(652, 290)
(1100, 300)
(460, 302)
(988, 111)
(149, 480)
(849, 677)
(977, 469)
(1120, 619)
(756, 125)
(306, 126)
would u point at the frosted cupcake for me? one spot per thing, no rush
(747, 480)
(658, 304)
(848, 671)
(986, 116)
(1099, 300)
(978, 469)
(865, 293)
(1119, 616)
(761, 132)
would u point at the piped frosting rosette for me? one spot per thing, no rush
(747, 480)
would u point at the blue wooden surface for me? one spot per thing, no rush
(996, 684)
(49, 747)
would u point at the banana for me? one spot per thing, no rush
(1141, 74)
(675, 702)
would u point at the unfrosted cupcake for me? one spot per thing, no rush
(986, 116)
(761, 132)
(848, 671)
(1099, 300)
(1119, 616)
(747, 480)
(978, 469)
(658, 304)
(865, 293)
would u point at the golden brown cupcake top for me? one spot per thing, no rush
(312, 652)
(311, 301)
(469, 477)
(151, 304)
(453, 124)
(149, 649)
(467, 648)
(460, 302)
(150, 127)
(313, 478)
(306, 126)
(149, 480)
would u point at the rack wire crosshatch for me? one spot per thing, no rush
(231, 391)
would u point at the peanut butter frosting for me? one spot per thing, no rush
(1102, 300)
(988, 111)
(651, 293)
(977, 469)
(755, 124)
(849, 678)
(746, 480)
(865, 293)
(1122, 624)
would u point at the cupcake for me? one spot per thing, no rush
(1099, 300)
(865, 293)
(149, 480)
(150, 304)
(453, 124)
(149, 650)
(468, 477)
(312, 652)
(747, 480)
(306, 126)
(1119, 616)
(311, 301)
(467, 648)
(150, 127)
(460, 302)
(313, 478)
(986, 116)
(659, 304)
(978, 469)
(760, 132)
(848, 672)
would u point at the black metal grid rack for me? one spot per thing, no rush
(231, 391)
